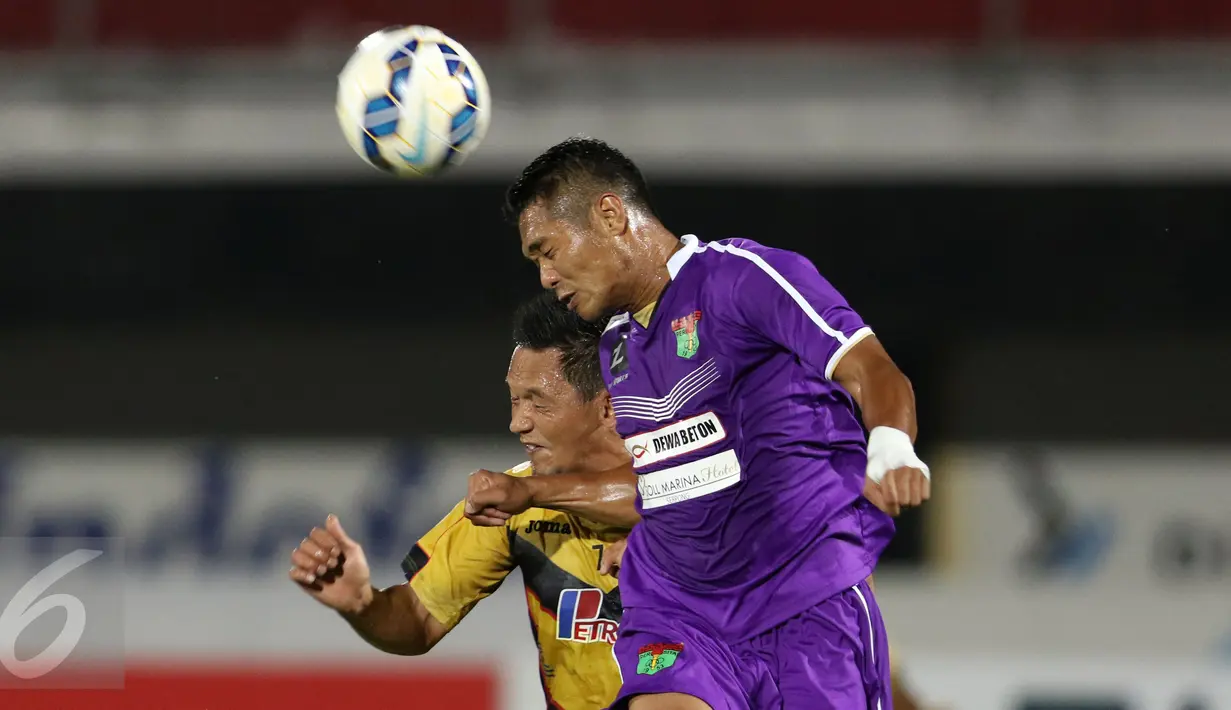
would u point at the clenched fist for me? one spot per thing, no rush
(492, 498)
(896, 476)
(901, 487)
(332, 569)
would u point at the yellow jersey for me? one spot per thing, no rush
(574, 611)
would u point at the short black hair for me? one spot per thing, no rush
(582, 162)
(543, 323)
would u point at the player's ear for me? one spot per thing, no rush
(608, 414)
(612, 217)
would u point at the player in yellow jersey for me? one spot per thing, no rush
(563, 417)
(562, 414)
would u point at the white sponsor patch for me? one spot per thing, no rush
(691, 480)
(675, 439)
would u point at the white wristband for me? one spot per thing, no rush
(890, 448)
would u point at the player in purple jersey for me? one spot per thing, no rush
(734, 370)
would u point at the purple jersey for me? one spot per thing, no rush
(750, 459)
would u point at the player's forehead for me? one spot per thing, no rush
(536, 372)
(539, 225)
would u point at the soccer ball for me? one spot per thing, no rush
(412, 102)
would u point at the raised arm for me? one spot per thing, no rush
(332, 568)
(395, 621)
(469, 563)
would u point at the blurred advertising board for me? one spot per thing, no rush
(200, 509)
(1064, 682)
(1120, 518)
(210, 619)
(1105, 551)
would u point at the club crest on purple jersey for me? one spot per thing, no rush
(687, 341)
(656, 657)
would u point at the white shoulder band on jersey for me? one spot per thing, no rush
(890, 448)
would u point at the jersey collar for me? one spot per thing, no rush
(689, 245)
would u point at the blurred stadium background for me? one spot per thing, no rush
(217, 325)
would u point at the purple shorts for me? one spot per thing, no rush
(833, 656)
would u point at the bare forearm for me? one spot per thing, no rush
(393, 622)
(886, 398)
(608, 497)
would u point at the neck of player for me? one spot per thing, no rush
(605, 451)
(649, 275)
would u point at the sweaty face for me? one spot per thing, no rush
(579, 262)
(555, 424)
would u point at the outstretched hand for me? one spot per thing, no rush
(332, 568)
